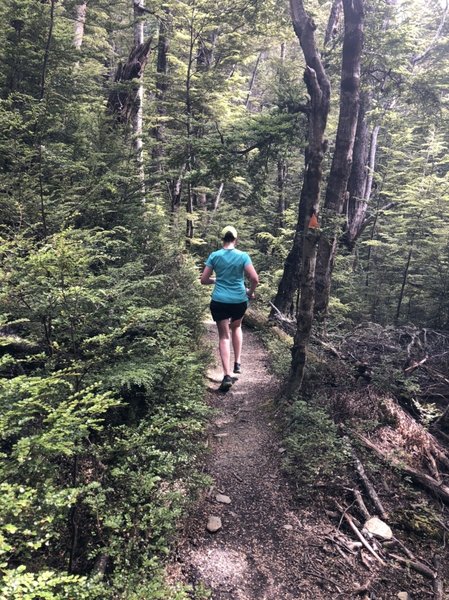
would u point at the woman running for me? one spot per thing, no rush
(229, 298)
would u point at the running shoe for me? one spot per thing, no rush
(237, 368)
(226, 383)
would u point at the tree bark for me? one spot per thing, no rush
(342, 158)
(80, 21)
(318, 87)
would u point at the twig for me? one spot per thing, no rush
(404, 547)
(320, 576)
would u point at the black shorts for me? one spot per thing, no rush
(222, 310)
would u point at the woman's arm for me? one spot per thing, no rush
(206, 278)
(253, 277)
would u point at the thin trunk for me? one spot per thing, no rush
(42, 195)
(47, 49)
(283, 50)
(344, 144)
(80, 21)
(370, 249)
(406, 272)
(176, 192)
(357, 178)
(282, 172)
(252, 80)
(281, 162)
(161, 88)
(73, 519)
(190, 158)
(361, 178)
(137, 121)
(372, 163)
(218, 197)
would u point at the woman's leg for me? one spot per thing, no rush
(237, 339)
(224, 345)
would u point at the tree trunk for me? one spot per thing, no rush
(342, 158)
(47, 50)
(190, 230)
(137, 120)
(252, 80)
(304, 314)
(281, 162)
(361, 178)
(282, 172)
(123, 98)
(318, 88)
(161, 88)
(80, 21)
(406, 272)
(333, 22)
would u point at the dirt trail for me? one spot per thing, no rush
(267, 547)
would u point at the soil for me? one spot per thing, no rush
(271, 546)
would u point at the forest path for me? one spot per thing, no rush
(268, 547)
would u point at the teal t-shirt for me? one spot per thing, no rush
(229, 266)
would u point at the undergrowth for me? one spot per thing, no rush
(101, 421)
(314, 447)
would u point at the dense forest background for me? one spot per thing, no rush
(131, 133)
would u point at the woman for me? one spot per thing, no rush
(229, 298)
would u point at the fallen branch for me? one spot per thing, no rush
(415, 366)
(361, 504)
(416, 566)
(358, 534)
(369, 487)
